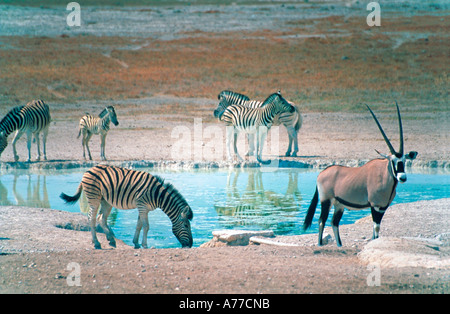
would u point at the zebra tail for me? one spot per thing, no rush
(79, 133)
(72, 199)
(299, 122)
(311, 210)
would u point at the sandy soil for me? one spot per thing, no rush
(42, 255)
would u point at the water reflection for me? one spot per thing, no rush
(257, 207)
(31, 193)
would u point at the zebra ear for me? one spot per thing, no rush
(186, 213)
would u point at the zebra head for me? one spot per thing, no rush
(227, 98)
(3, 142)
(223, 104)
(181, 228)
(111, 112)
(279, 103)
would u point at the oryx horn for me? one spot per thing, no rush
(391, 149)
(400, 130)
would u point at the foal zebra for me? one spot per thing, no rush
(292, 121)
(90, 125)
(108, 186)
(253, 120)
(32, 118)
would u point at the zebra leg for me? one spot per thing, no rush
(105, 210)
(38, 144)
(15, 139)
(102, 146)
(44, 142)
(338, 212)
(138, 230)
(145, 228)
(86, 141)
(325, 210)
(251, 144)
(93, 221)
(260, 138)
(29, 136)
(291, 133)
(235, 147)
(230, 131)
(295, 138)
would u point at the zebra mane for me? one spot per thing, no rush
(103, 113)
(227, 94)
(175, 193)
(272, 98)
(11, 114)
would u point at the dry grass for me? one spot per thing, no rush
(332, 73)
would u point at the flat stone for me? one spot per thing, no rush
(234, 237)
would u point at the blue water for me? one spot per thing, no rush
(221, 199)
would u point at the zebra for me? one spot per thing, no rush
(108, 186)
(239, 118)
(32, 118)
(292, 121)
(90, 125)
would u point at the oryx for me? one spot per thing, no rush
(371, 185)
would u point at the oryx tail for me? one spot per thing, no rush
(311, 211)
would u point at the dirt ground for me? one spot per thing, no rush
(37, 260)
(165, 91)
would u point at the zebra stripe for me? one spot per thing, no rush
(32, 118)
(240, 118)
(90, 125)
(292, 121)
(122, 188)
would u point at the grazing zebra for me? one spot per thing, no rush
(90, 125)
(32, 118)
(110, 186)
(292, 121)
(253, 120)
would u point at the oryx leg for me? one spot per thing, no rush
(105, 210)
(325, 210)
(338, 212)
(377, 215)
